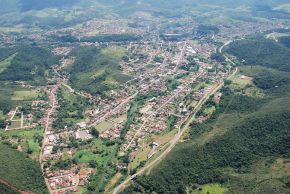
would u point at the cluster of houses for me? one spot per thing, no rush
(105, 26)
(67, 181)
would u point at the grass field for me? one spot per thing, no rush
(116, 52)
(15, 124)
(242, 80)
(211, 189)
(11, 29)
(25, 95)
(103, 126)
(209, 111)
(96, 151)
(27, 139)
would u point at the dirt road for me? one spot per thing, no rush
(13, 187)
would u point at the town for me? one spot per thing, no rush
(171, 71)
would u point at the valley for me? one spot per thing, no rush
(144, 97)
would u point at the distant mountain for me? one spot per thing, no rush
(37, 4)
(26, 5)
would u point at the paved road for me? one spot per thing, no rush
(103, 118)
(53, 103)
(172, 144)
(177, 137)
(164, 104)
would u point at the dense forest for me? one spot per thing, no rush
(23, 173)
(6, 52)
(272, 81)
(261, 51)
(205, 30)
(29, 64)
(237, 149)
(95, 71)
(249, 138)
(285, 40)
(6, 190)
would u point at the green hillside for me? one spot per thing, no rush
(97, 70)
(29, 63)
(21, 172)
(261, 51)
(7, 190)
(255, 140)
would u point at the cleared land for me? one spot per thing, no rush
(25, 95)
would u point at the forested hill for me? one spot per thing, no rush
(262, 51)
(26, 63)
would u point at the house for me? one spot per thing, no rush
(81, 125)
(83, 135)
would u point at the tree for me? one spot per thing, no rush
(93, 164)
(94, 132)
(2, 124)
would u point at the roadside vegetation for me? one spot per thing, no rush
(7, 190)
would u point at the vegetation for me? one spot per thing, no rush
(261, 51)
(29, 64)
(112, 38)
(95, 70)
(205, 30)
(99, 154)
(285, 40)
(29, 140)
(272, 81)
(224, 159)
(71, 109)
(12, 95)
(7, 190)
(218, 57)
(21, 172)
